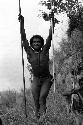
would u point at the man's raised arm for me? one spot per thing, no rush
(48, 40)
(23, 34)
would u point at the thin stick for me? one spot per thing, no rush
(23, 64)
(52, 23)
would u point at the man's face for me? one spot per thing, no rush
(36, 44)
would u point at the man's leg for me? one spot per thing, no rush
(36, 93)
(44, 93)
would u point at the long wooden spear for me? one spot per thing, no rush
(52, 24)
(22, 63)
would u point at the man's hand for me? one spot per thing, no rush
(69, 93)
(46, 16)
(21, 18)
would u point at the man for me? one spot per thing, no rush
(38, 57)
(77, 106)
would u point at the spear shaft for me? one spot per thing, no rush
(22, 63)
(52, 23)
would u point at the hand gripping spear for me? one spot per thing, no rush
(22, 62)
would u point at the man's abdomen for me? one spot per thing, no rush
(41, 71)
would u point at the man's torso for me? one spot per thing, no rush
(39, 62)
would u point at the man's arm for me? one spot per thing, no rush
(73, 91)
(23, 34)
(48, 41)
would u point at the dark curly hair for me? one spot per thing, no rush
(37, 36)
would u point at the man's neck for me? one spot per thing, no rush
(37, 51)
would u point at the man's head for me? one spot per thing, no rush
(37, 42)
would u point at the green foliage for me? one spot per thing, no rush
(58, 6)
(76, 21)
(8, 99)
(69, 58)
(16, 116)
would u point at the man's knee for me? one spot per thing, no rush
(35, 91)
(35, 96)
(45, 90)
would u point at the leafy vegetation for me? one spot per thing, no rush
(14, 114)
(67, 60)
